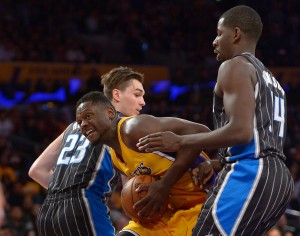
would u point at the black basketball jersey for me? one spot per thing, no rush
(270, 117)
(82, 165)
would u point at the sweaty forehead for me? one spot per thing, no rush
(221, 22)
(84, 107)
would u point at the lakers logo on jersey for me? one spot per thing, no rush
(141, 170)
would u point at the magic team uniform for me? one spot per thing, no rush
(185, 198)
(79, 189)
(254, 174)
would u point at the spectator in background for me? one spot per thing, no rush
(18, 222)
(6, 124)
(2, 205)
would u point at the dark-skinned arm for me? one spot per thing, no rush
(235, 84)
(159, 191)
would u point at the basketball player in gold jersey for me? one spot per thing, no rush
(99, 122)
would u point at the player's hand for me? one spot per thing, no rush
(202, 174)
(156, 200)
(161, 141)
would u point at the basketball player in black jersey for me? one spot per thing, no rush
(80, 177)
(254, 187)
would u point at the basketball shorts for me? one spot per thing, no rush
(179, 223)
(248, 198)
(74, 215)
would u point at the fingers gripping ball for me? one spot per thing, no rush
(129, 197)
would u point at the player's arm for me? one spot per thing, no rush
(235, 84)
(41, 169)
(185, 157)
(158, 191)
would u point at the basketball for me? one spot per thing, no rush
(129, 197)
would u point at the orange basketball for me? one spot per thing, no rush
(129, 197)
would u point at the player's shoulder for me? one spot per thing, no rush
(138, 121)
(235, 67)
(139, 126)
(235, 62)
(71, 128)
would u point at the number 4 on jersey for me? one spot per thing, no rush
(279, 114)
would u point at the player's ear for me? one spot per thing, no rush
(111, 113)
(237, 34)
(116, 95)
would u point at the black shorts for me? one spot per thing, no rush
(72, 215)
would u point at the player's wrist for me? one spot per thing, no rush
(216, 165)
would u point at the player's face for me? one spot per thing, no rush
(94, 121)
(130, 101)
(223, 41)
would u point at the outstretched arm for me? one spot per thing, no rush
(235, 84)
(41, 169)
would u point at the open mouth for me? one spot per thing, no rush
(89, 133)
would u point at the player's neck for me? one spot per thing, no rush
(111, 138)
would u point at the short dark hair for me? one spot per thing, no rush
(95, 97)
(118, 78)
(245, 18)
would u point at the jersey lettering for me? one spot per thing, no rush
(279, 114)
(72, 142)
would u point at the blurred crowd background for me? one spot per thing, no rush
(175, 34)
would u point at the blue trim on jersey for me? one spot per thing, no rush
(96, 195)
(99, 214)
(242, 152)
(239, 183)
(104, 175)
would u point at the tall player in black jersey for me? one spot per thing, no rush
(254, 187)
(79, 176)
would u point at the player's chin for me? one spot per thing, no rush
(219, 58)
(94, 140)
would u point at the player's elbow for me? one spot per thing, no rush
(204, 129)
(242, 137)
(199, 128)
(32, 172)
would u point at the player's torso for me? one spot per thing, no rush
(184, 192)
(81, 165)
(269, 121)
